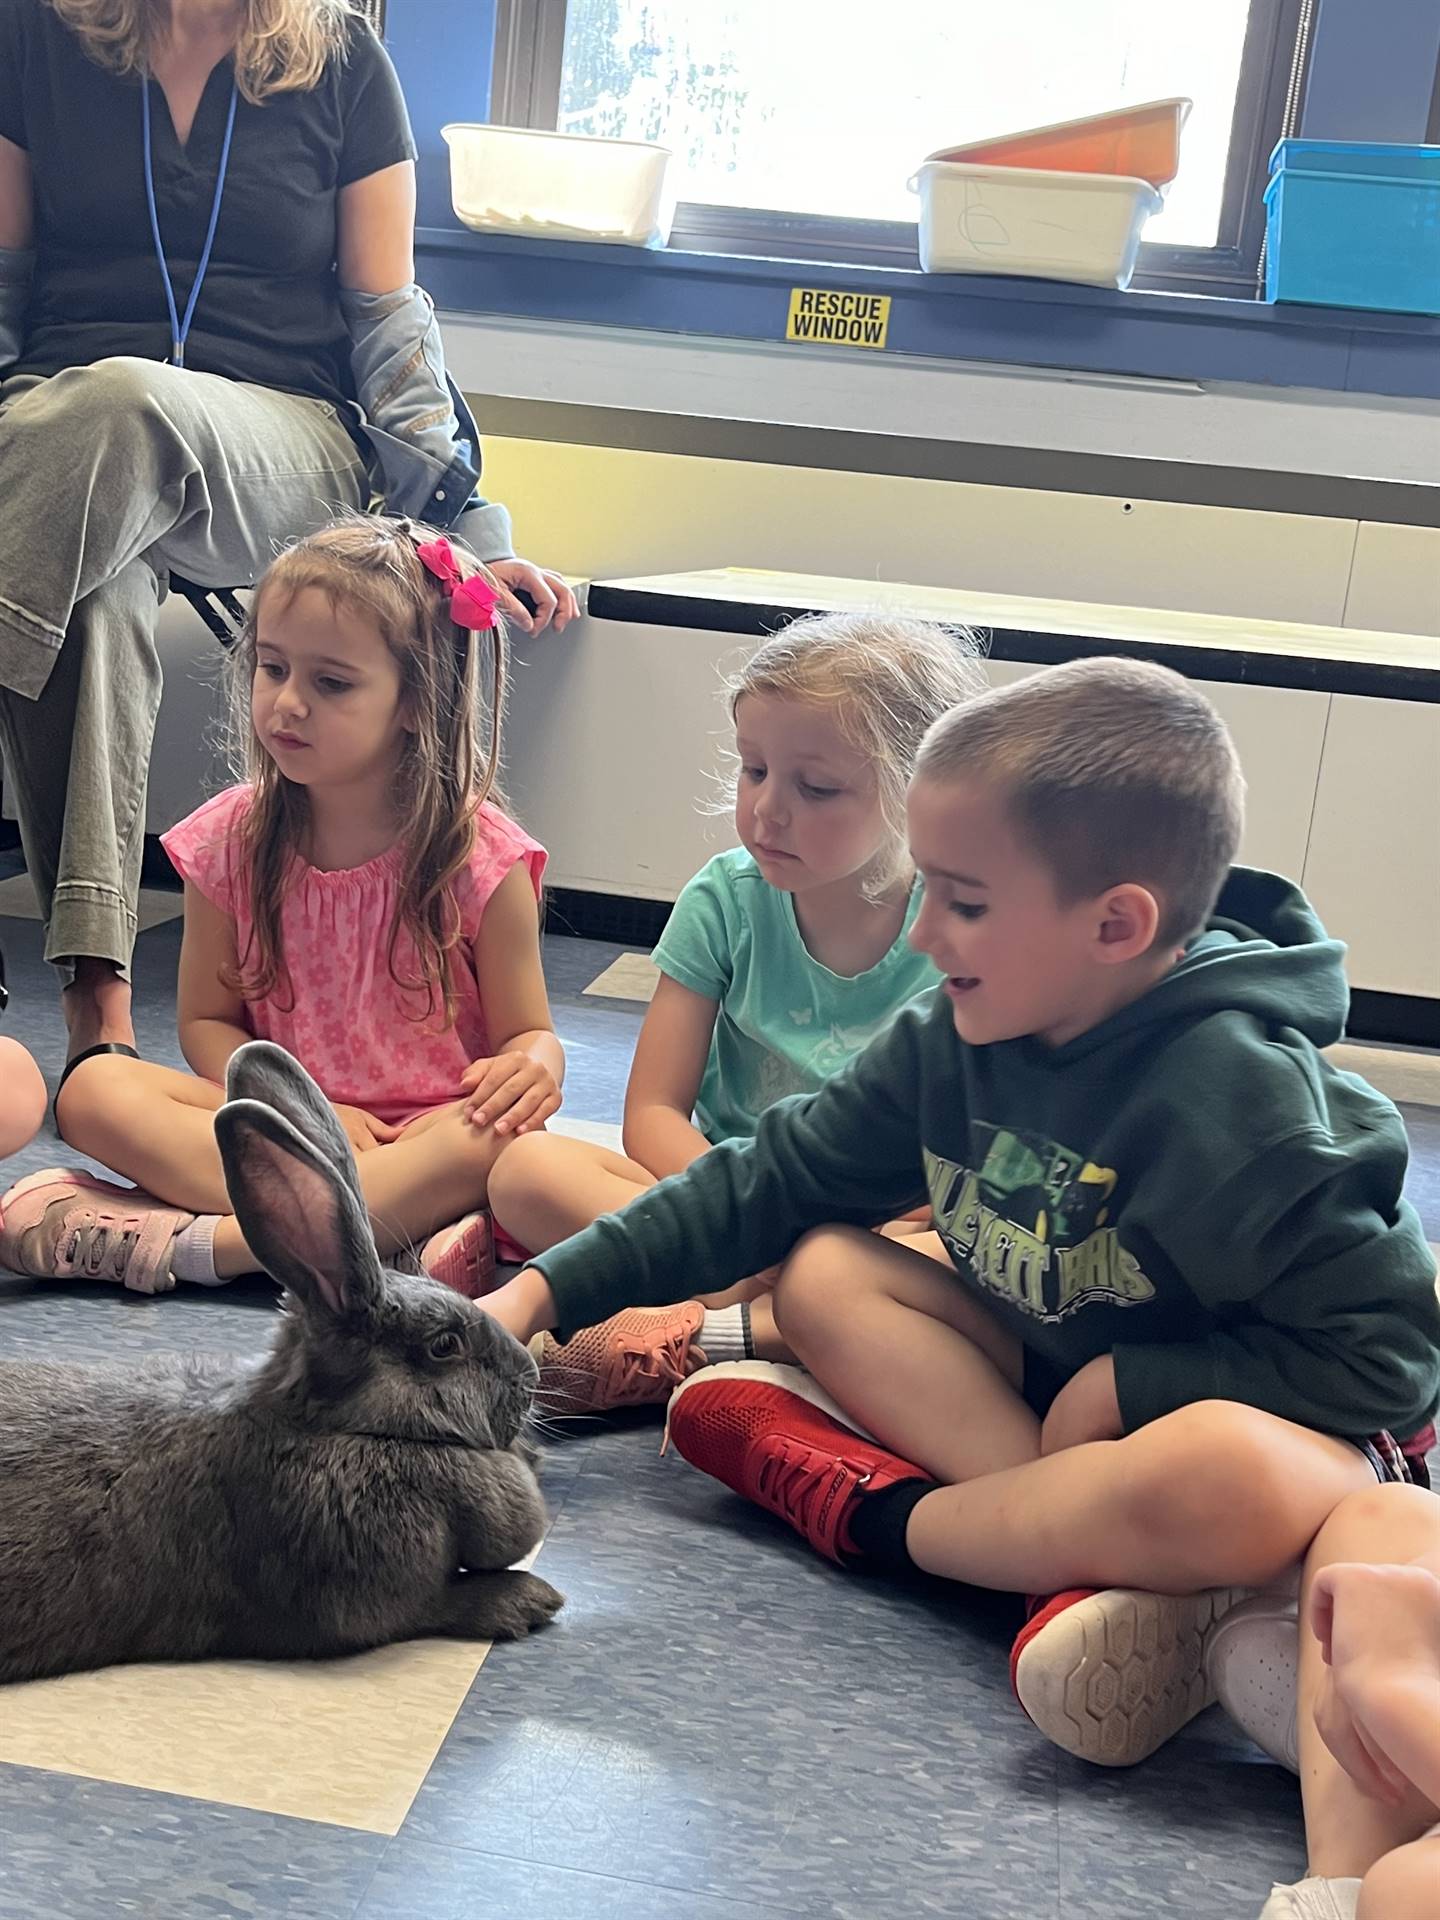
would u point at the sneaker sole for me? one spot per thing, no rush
(774, 1373)
(1117, 1675)
(471, 1279)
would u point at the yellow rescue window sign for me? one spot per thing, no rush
(838, 319)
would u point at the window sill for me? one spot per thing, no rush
(1167, 336)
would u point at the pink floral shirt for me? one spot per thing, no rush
(350, 1025)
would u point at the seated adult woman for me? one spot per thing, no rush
(210, 338)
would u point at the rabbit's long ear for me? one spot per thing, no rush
(262, 1071)
(303, 1221)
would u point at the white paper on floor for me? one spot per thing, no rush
(634, 976)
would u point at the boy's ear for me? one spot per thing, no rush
(1129, 919)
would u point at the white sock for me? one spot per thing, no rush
(193, 1255)
(1314, 1899)
(725, 1334)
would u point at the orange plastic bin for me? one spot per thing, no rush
(1141, 142)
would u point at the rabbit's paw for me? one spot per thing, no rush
(498, 1606)
(525, 1601)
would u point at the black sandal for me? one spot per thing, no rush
(93, 1053)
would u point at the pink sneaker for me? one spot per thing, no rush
(65, 1224)
(462, 1257)
(635, 1359)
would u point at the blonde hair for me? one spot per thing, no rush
(368, 566)
(1111, 771)
(283, 46)
(888, 678)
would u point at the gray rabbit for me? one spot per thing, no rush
(367, 1481)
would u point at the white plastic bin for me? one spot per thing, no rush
(559, 186)
(1084, 227)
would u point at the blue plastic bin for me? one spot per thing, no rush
(1354, 225)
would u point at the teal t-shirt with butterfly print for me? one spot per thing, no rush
(786, 1023)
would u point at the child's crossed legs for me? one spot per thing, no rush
(1216, 1494)
(156, 1125)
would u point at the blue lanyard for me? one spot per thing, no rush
(180, 329)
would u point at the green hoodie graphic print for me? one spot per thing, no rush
(1190, 1185)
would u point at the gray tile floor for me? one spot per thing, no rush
(719, 1727)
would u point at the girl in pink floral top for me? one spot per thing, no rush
(359, 900)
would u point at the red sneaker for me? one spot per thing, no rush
(771, 1433)
(1111, 1676)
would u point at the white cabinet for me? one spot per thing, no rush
(1373, 868)
(613, 752)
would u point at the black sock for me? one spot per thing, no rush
(876, 1527)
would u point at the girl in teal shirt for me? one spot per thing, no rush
(781, 960)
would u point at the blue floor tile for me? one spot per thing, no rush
(748, 1721)
(1177, 1836)
(444, 1883)
(85, 1850)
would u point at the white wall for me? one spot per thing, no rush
(1283, 428)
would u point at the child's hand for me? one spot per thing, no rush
(1086, 1408)
(363, 1130)
(514, 1093)
(1379, 1706)
(1355, 1748)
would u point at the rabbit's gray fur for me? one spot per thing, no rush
(358, 1485)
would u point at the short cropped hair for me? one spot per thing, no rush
(1111, 771)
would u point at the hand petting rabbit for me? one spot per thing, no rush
(366, 1481)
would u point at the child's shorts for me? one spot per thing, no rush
(1405, 1461)
(1392, 1459)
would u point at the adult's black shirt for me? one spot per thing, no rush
(269, 309)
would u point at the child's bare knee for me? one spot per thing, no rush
(1402, 1885)
(98, 1093)
(815, 1277)
(520, 1166)
(1392, 1522)
(1207, 1470)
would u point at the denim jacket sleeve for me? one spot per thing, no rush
(17, 270)
(427, 448)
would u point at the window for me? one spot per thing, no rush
(796, 124)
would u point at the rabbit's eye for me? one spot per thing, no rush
(446, 1346)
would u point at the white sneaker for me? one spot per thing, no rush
(1313, 1900)
(1252, 1661)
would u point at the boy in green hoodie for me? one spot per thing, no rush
(1182, 1308)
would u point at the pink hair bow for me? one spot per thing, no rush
(472, 601)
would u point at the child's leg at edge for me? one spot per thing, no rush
(1348, 1832)
(1214, 1495)
(548, 1187)
(156, 1126)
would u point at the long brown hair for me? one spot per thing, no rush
(283, 45)
(369, 566)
